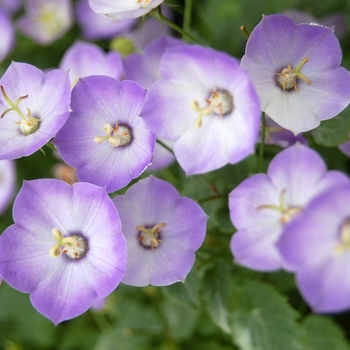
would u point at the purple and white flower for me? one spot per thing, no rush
(65, 248)
(123, 9)
(33, 108)
(162, 231)
(262, 206)
(83, 59)
(7, 183)
(206, 104)
(295, 70)
(104, 138)
(46, 20)
(317, 246)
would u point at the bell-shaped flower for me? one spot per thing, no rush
(65, 248)
(33, 107)
(317, 246)
(104, 138)
(295, 70)
(206, 104)
(162, 231)
(123, 9)
(45, 21)
(83, 59)
(263, 205)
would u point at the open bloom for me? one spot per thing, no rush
(104, 138)
(206, 104)
(122, 9)
(46, 20)
(66, 247)
(295, 70)
(162, 231)
(83, 59)
(262, 206)
(317, 246)
(7, 183)
(33, 107)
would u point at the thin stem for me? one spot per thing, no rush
(262, 143)
(165, 146)
(244, 30)
(158, 15)
(187, 18)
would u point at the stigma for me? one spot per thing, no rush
(74, 246)
(27, 123)
(120, 135)
(219, 103)
(150, 237)
(287, 78)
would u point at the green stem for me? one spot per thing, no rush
(187, 18)
(158, 15)
(262, 143)
(165, 146)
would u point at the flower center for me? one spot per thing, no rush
(149, 237)
(344, 238)
(287, 211)
(287, 79)
(74, 246)
(121, 135)
(144, 3)
(220, 102)
(27, 123)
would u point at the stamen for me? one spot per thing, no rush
(149, 238)
(220, 102)
(287, 79)
(344, 239)
(119, 136)
(144, 3)
(27, 124)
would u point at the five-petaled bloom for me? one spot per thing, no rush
(162, 231)
(295, 70)
(262, 206)
(104, 138)
(206, 104)
(66, 247)
(317, 247)
(33, 108)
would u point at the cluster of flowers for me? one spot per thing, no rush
(70, 245)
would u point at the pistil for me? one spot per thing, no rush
(149, 237)
(119, 136)
(287, 79)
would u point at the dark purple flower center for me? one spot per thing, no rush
(149, 237)
(287, 78)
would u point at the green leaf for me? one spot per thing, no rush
(335, 131)
(217, 290)
(323, 334)
(261, 319)
(186, 293)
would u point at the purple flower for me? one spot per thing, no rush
(46, 20)
(104, 138)
(206, 104)
(295, 70)
(7, 183)
(262, 206)
(10, 6)
(83, 59)
(66, 247)
(123, 9)
(317, 246)
(7, 35)
(97, 26)
(33, 108)
(162, 231)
